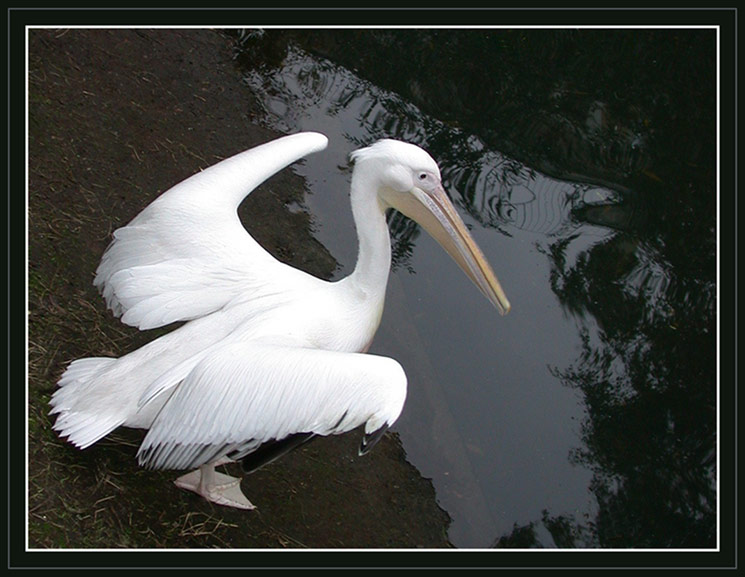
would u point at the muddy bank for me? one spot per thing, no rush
(117, 117)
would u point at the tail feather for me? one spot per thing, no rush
(83, 370)
(80, 423)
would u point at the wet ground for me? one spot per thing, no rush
(117, 117)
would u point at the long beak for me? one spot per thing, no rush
(436, 214)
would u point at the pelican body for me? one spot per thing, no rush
(268, 356)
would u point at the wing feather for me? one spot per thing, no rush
(187, 253)
(248, 394)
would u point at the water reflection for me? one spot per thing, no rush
(646, 378)
(494, 189)
(628, 243)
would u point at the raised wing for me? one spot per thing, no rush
(187, 253)
(249, 394)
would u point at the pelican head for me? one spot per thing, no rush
(408, 180)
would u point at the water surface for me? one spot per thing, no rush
(585, 417)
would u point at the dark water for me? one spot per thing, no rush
(584, 163)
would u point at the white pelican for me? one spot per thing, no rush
(270, 356)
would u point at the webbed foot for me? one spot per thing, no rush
(215, 487)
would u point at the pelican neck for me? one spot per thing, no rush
(370, 274)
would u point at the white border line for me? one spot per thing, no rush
(401, 27)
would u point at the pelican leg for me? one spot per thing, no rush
(215, 487)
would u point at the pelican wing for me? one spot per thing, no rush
(187, 253)
(248, 394)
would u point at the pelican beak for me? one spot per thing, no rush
(436, 214)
